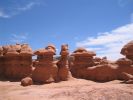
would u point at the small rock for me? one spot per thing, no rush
(26, 81)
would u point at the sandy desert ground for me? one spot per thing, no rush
(76, 89)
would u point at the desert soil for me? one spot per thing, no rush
(76, 89)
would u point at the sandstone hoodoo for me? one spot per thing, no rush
(126, 64)
(63, 65)
(82, 60)
(127, 50)
(45, 67)
(96, 69)
(17, 65)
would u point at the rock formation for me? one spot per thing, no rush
(126, 64)
(96, 69)
(82, 60)
(127, 50)
(17, 64)
(63, 65)
(102, 72)
(45, 68)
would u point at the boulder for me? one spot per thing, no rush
(26, 81)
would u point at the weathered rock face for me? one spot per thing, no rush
(127, 50)
(102, 73)
(63, 65)
(82, 60)
(16, 64)
(124, 69)
(45, 68)
(96, 69)
(124, 62)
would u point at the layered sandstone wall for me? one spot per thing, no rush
(17, 61)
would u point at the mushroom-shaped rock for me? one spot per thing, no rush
(45, 68)
(25, 50)
(51, 48)
(80, 50)
(83, 52)
(124, 62)
(83, 57)
(82, 60)
(127, 50)
(26, 81)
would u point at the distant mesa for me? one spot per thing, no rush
(16, 63)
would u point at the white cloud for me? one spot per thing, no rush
(109, 43)
(17, 8)
(27, 6)
(3, 15)
(19, 38)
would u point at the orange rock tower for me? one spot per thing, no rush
(45, 68)
(63, 65)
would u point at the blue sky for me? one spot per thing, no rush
(100, 25)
